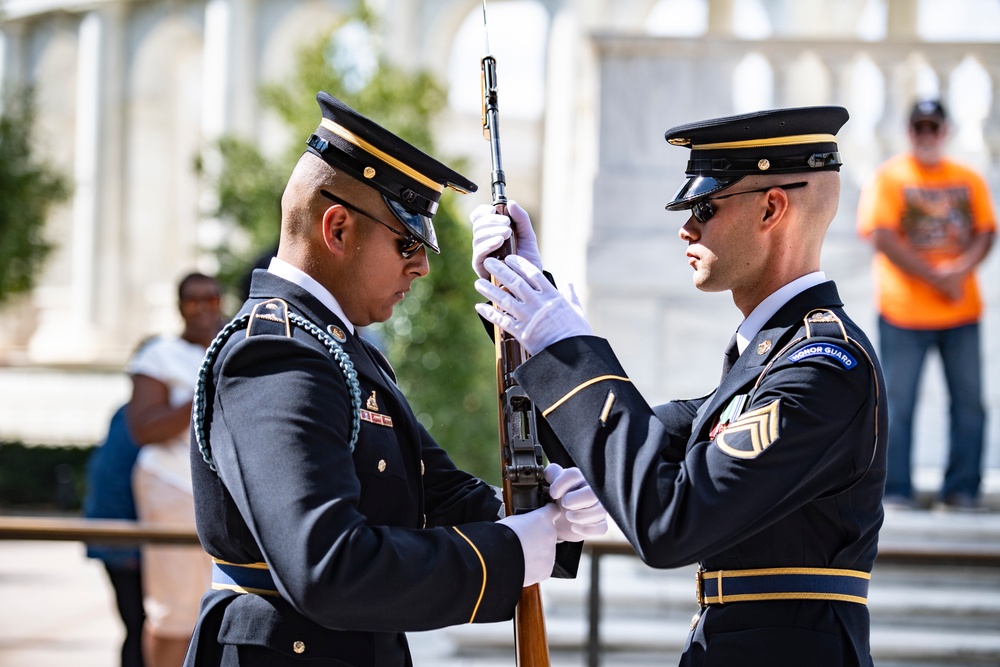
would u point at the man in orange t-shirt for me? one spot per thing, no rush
(931, 222)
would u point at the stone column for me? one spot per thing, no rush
(569, 152)
(901, 19)
(11, 58)
(991, 125)
(228, 83)
(229, 98)
(86, 170)
(90, 330)
(720, 18)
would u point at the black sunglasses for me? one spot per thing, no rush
(408, 243)
(926, 127)
(703, 210)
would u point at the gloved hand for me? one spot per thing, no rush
(536, 531)
(582, 514)
(490, 230)
(532, 311)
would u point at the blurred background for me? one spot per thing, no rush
(144, 139)
(156, 136)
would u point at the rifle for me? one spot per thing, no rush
(524, 486)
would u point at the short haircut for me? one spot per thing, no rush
(189, 278)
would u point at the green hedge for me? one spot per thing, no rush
(41, 477)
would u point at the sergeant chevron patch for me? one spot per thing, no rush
(752, 433)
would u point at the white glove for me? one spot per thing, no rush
(532, 311)
(490, 230)
(536, 531)
(582, 514)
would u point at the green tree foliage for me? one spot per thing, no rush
(435, 340)
(28, 189)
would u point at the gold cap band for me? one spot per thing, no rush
(352, 138)
(775, 141)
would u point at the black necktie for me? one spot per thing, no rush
(732, 354)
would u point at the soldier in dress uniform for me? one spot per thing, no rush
(773, 482)
(334, 520)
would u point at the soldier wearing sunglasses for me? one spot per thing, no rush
(335, 522)
(773, 481)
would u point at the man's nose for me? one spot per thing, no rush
(419, 263)
(690, 230)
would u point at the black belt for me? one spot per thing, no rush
(243, 578)
(781, 583)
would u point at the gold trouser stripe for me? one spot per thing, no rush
(240, 589)
(482, 590)
(349, 136)
(253, 566)
(579, 387)
(775, 141)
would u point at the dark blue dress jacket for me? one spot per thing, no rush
(795, 479)
(362, 545)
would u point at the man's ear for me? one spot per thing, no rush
(336, 224)
(777, 206)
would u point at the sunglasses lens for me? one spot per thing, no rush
(702, 211)
(409, 246)
(926, 127)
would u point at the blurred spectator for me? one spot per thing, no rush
(932, 223)
(159, 413)
(109, 496)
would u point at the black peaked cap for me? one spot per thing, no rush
(777, 141)
(410, 181)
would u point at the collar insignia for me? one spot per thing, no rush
(337, 333)
(764, 347)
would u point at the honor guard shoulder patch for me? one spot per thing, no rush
(752, 433)
(826, 350)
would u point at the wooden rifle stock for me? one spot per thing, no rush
(523, 483)
(520, 451)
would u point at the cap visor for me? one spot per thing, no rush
(419, 225)
(698, 187)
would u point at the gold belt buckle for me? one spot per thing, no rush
(699, 590)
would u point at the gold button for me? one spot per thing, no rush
(369, 172)
(764, 164)
(299, 647)
(381, 465)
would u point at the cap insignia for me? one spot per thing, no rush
(369, 172)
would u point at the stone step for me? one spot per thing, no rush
(917, 646)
